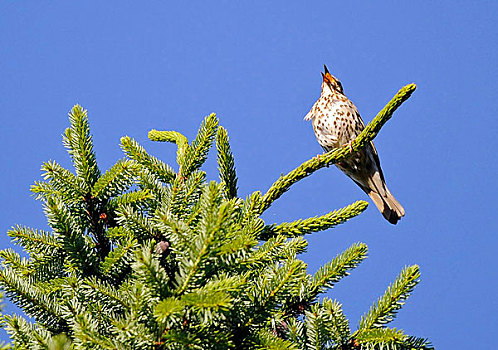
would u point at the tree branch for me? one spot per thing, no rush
(315, 224)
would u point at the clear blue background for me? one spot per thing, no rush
(142, 65)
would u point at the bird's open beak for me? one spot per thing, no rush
(327, 77)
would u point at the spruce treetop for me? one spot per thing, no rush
(147, 255)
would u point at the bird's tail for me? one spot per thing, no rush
(386, 203)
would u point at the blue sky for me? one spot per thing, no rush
(142, 65)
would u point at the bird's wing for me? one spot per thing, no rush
(376, 159)
(372, 150)
(310, 114)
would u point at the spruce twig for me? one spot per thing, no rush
(137, 153)
(385, 309)
(226, 163)
(280, 186)
(314, 224)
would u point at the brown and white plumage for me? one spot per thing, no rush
(336, 122)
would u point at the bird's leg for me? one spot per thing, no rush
(318, 158)
(350, 145)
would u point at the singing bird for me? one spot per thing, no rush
(336, 123)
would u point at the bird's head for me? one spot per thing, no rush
(330, 82)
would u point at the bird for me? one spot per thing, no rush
(336, 123)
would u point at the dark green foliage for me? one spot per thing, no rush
(143, 257)
(226, 163)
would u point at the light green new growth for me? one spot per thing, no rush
(146, 257)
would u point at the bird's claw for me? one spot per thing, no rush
(350, 145)
(318, 158)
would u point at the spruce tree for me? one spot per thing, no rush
(144, 256)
